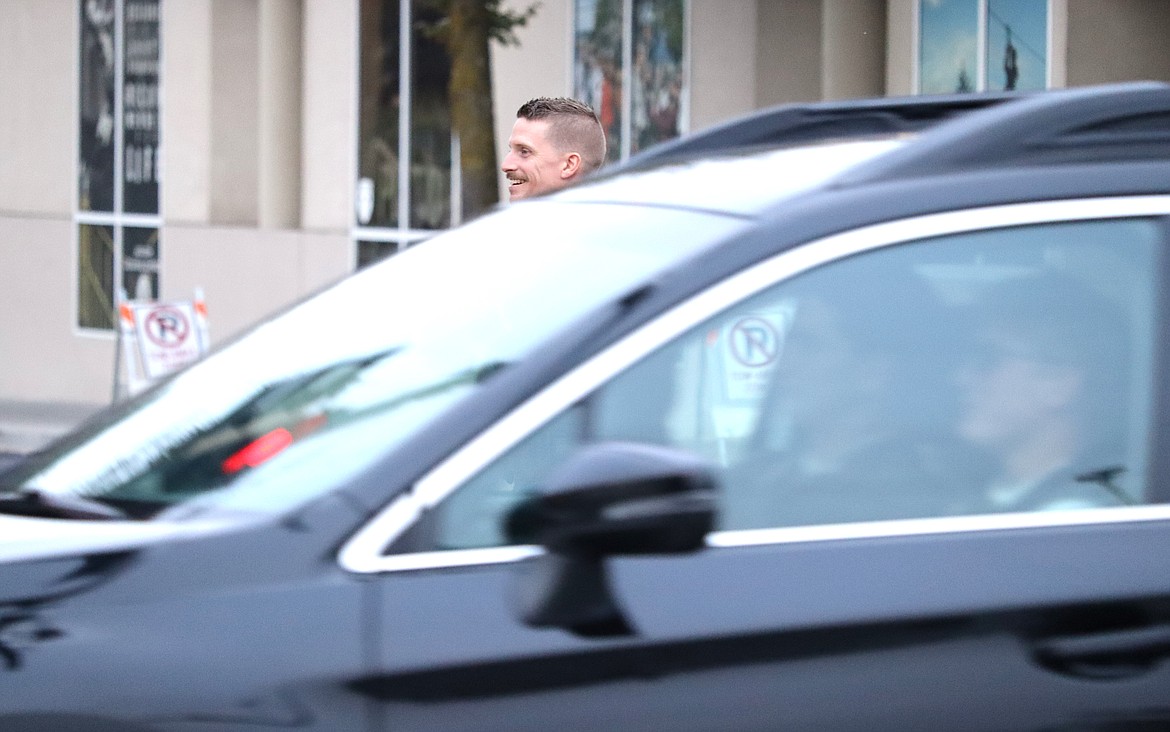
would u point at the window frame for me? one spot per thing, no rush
(403, 234)
(981, 34)
(363, 552)
(117, 219)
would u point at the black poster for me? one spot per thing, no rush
(96, 103)
(140, 263)
(140, 120)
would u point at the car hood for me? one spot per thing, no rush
(24, 539)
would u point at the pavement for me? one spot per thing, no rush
(26, 426)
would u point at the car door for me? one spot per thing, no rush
(937, 453)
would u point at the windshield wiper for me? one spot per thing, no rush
(33, 502)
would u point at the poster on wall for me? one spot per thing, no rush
(628, 65)
(140, 110)
(657, 74)
(140, 263)
(597, 65)
(95, 167)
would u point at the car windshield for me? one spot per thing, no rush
(311, 397)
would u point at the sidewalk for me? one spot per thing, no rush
(28, 426)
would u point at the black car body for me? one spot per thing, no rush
(555, 470)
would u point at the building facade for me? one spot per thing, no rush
(257, 150)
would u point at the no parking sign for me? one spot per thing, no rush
(749, 347)
(167, 337)
(159, 338)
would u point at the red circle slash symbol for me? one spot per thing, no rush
(167, 327)
(754, 342)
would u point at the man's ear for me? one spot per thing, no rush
(570, 166)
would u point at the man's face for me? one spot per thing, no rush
(533, 165)
(1012, 392)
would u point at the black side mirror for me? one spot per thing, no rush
(608, 499)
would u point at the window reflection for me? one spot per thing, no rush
(1013, 33)
(378, 159)
(405, 193)
(630, 69)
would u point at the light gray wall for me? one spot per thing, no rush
(1117, 40)
(788, 52)
(40, 354)
(723, 60)
(38, 120)
(329, 118)
(186, 133)
(235, 133)
(279, 164)
(853, 43)
(901, 47)
(41, 357)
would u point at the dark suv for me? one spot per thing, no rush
(843, 416)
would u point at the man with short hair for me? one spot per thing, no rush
(1045, 392)
(554, 142)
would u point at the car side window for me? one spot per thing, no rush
(1005, 370)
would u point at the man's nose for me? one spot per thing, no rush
(508, 164)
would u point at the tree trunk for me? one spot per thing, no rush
(470, 94)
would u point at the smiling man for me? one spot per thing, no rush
(554, 142)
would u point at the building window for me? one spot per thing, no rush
(982, 45)
(117, 212)
(404, 116)
(630, 65)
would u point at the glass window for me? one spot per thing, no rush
(999, 371)
(1017, 44)
(405, 157)
(118, 156)
(430, 129)
(380, 101)
(1013, 36)
(629, 65)
(95, 283)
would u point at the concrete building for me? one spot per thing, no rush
(252, 148)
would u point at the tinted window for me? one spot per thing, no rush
(997, 371)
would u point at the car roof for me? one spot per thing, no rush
(748, 165)
(737, 182)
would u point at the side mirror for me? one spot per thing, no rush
(608, 499)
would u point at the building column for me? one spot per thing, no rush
(280, 114)
(185, 138)
(788, 52)
(329, 122)
(234, 113)
(1117, 41)
(853, 48)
